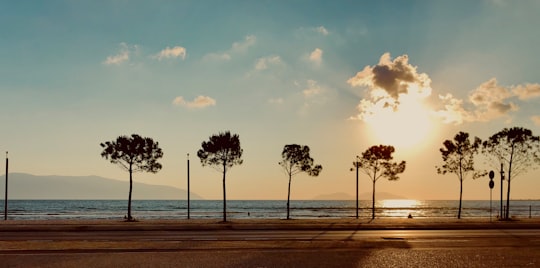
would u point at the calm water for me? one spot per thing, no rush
(269, 209)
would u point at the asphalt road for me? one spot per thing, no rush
(272, 248)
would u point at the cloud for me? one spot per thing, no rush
(491, 101)
(536, 119)
(265, 62)
(527, 91)
(322, 30)
(122, 56)
(316, 56)
(453, 112)
(198, 103)
(389, 82)
(394, 77)
(171, 53)
(393, 82)
(312, 90)
(487, 102)
(237, 47)
(243, 45)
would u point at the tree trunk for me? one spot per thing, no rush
(507, 212)
(129, 218)
(224, 194)
(460, 198)
(373, 202)
(289, 195)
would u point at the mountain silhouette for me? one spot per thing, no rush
(27, 186)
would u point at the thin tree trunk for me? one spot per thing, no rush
(224, 194)
(507, 212)
(289, 195)
(460, 198)
(373, 202)
(129, 218)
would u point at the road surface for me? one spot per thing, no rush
(272, 248)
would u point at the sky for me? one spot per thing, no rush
(338, 76)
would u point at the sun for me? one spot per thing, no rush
(405, 126)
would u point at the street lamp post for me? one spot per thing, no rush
(6, 194)
(188, 190)
(502, 179)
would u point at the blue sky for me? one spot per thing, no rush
(77, 73)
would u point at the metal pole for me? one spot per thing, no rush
(188, 190)
(490, 206)
(502, 179)
(356, 164)
(6, 194)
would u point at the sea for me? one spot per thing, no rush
(259, 209)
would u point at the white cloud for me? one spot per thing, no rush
(322, 30)
(265, 62)
(237, 47)
(119, 58)
(171, 53)
(316, 56)
(198, 103)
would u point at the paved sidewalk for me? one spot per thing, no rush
(269, 224)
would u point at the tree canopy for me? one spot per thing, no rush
(296, 159)
(133, 154)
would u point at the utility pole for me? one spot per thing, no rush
(188, 190)
(6, 194)
(502, 179)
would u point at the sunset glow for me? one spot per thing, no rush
(404, 127)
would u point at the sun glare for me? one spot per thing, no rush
(406, 127)
(399, 203)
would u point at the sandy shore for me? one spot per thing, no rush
(273, 224)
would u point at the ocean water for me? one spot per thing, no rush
(257, 209)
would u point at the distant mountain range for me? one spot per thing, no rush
(361, 196)
(27, 186)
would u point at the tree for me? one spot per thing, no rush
(296, 159)
(458, 157)
(376, 162)
(222, 152)
(133, 154)
(515, 149)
